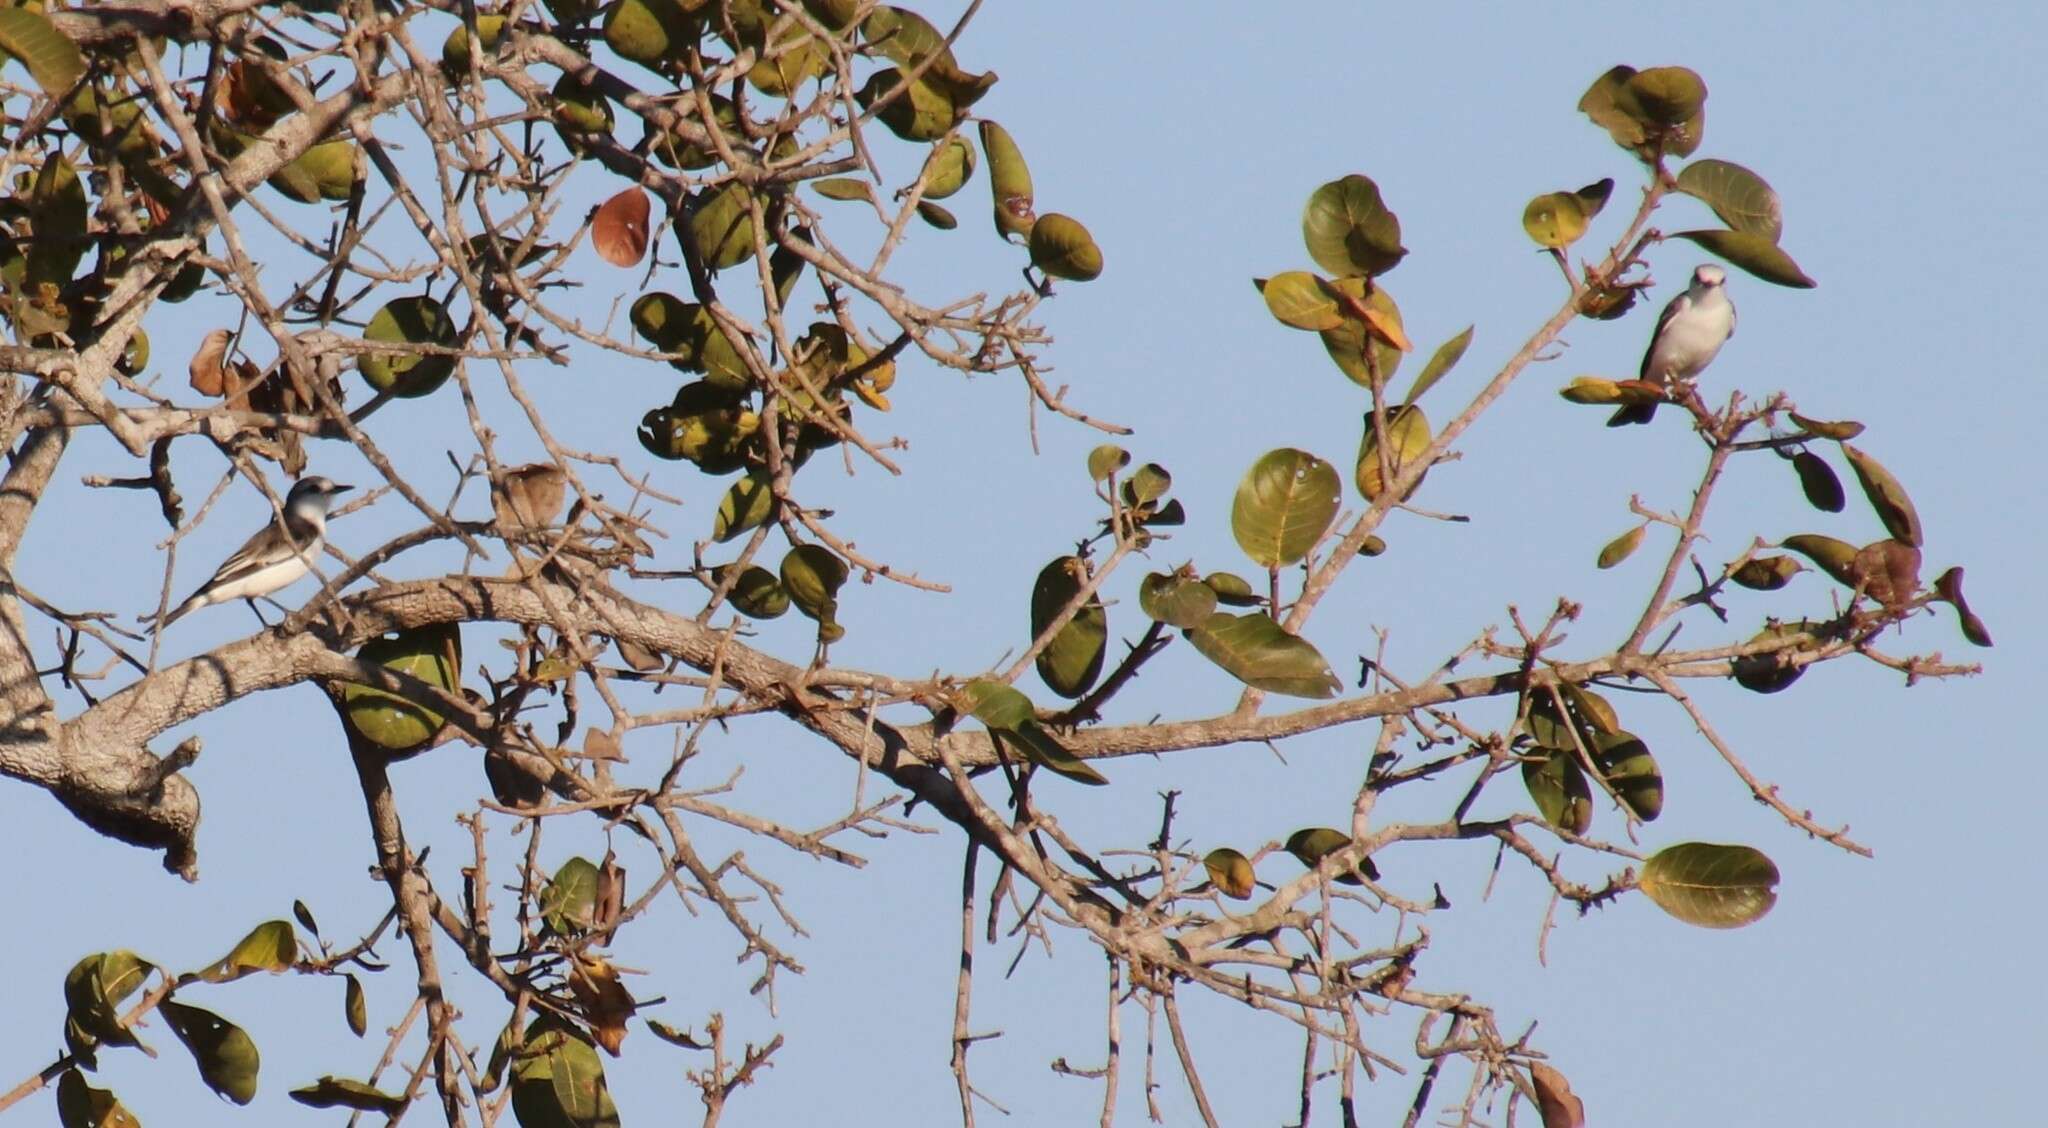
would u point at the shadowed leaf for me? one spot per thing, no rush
(1817, 480)
(1753, 253)
(1740, 197)
(1062, 248)
(340, 1092)
(1766, 573)
(1349, 230)
(1558, 787)
(1231, 872)
(1626, 765)
(1107, 459)
(433, 654)
(80, 1105)
(1072, 661)
(843, 188)
(1311, 845)
(226, 1056)
(1440, 363)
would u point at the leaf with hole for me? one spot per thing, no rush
(226, 1055)
(1283, 505)
(80, 1105)
(1260, 653)
(1009, 180)
(1176, 599)
(270, 946)
(1555, 219)
(1712, 886)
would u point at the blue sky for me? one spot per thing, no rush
(1904, 144)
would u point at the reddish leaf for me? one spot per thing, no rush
(619, 229)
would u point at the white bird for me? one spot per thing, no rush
(1691, 330)
(277, 556)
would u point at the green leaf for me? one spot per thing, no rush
(1176, 600)
(1886, 496)
(1836, 557)
(52, 59)
(1766, 573)
(1347, 343)
(925, 111)
(995, 704)
(409, 321)
(1283, 505)
(1105, 460)
(1602, 103)
(948, 168)
(340, 1092)
(1446, 358)
(1231, 872)
(1041, 748)
(79, 1105)
(745, 507)
(1072, 661)
(270, 946)
(1311, 845)
(936, 216)
(1349, 230)
(1408, 436)
(1624, 761)
(1147, 484)
(558, 1079)
(568, 902)
(1740, 197)
(721, 225)
(93, 990)
(305, 918)
(433, 654)
(226, 1056)
(353, 1006)
(1622, 547)
(1300, 300)
(1710, 885)
(1258, 652)
(1009, 180)
(813, 577)
(1753, 253)
(842, 188)
(1062, 248)
(1666, 96)
(1817, 480)
(1555, 219)
(1557, 785)
(756, 593)
(1232, 589)
(1841, 431)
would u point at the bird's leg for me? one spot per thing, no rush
(258, 612)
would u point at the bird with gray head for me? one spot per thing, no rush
(276, 557)
(1691, 330)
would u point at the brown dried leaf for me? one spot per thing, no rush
(599, 744)
(636, 656)
(1561, 1107)
(619, 228)
(207, 374)
(1888, 571)
(605, 1000)
(529, 497)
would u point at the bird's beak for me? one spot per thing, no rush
(338, 488)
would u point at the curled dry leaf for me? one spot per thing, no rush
(529, 497)
(1560, 1106)
(208, 377)
(619, 229)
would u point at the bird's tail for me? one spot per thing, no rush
(1633, 413)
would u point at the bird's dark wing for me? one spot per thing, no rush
(1672, 308)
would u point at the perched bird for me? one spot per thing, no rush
(277, 556)
(1692, 328)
